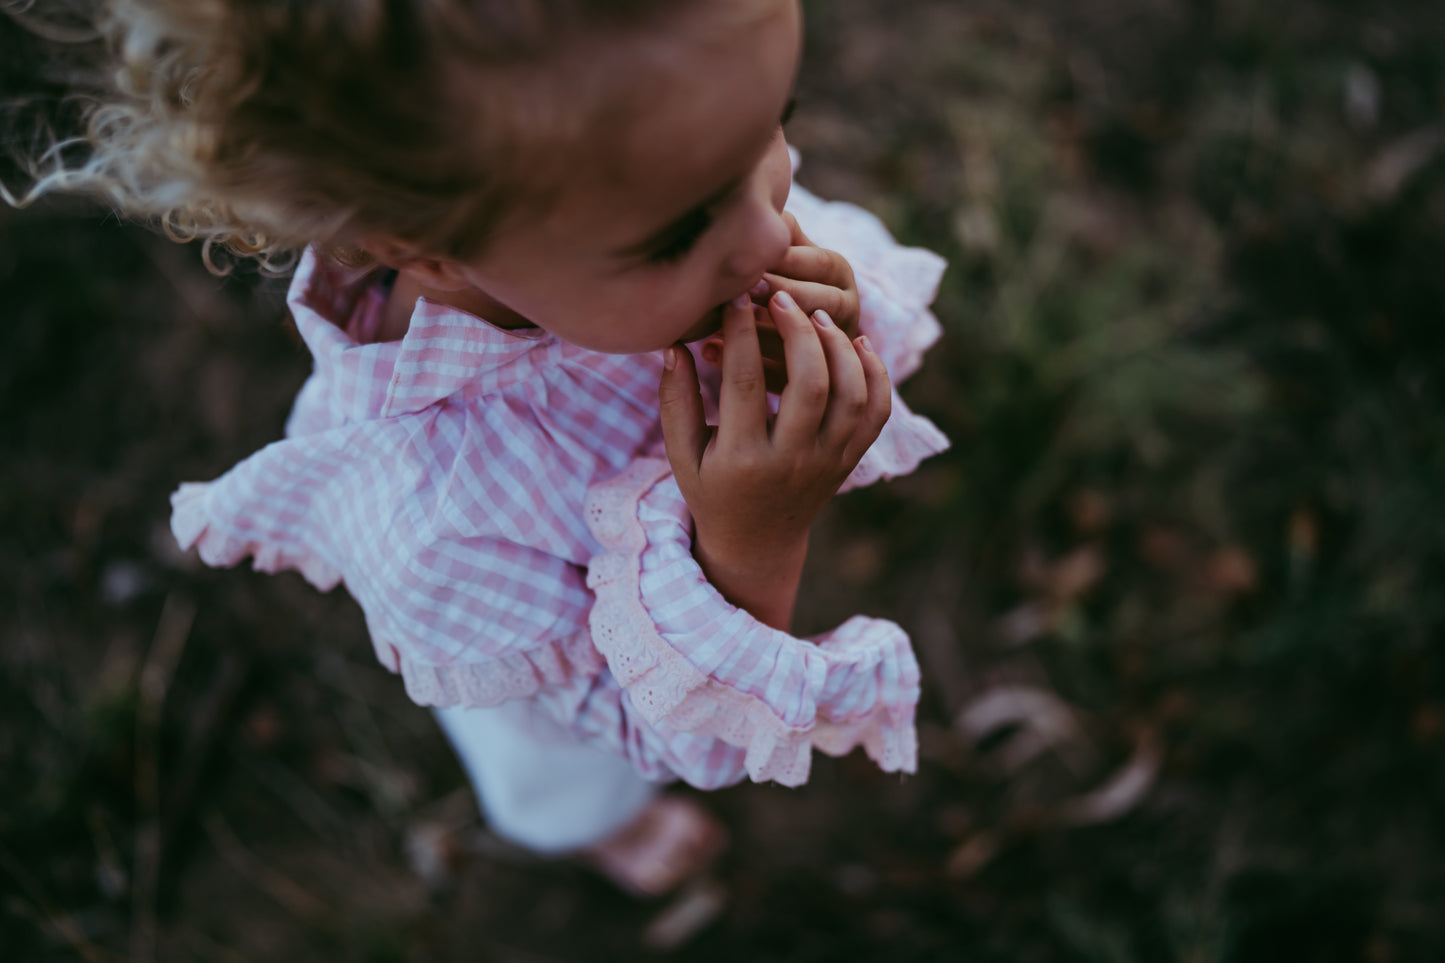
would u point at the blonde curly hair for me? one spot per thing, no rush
(260, 126)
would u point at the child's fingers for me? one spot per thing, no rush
(813, 296)
(684, 426)
(743, 397)
(815, 264)
(849, 400)
(805, 399)
(880, 400)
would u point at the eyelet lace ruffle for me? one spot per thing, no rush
(873, 706)
(517, 676)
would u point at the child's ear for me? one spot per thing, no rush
(440, 274)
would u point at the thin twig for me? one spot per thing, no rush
(46, 915)
(172, 631)
(284, 890)
(300, 797)
(205, 726)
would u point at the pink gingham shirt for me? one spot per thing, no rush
(499, 504)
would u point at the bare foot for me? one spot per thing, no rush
(673, 840)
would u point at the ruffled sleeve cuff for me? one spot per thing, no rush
(691, 661)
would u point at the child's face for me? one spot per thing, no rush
(675, 212)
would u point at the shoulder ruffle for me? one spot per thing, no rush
(472, 618)
(191, 523)
(515, 675)
(692, 661)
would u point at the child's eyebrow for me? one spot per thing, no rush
(679, 225)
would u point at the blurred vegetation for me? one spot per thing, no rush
(1176, 588)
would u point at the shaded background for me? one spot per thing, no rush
(1178, 588)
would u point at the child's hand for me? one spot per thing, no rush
(818, 280)
(754, 484)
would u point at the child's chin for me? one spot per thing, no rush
(709, 325)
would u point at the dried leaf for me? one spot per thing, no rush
(1076, 573)
(432, 851)
(976, 228)
(1394, 167)
(1231, 571)
(969, 859)
(1090, 510)
(1304, 534)
(1362, 96)
(1163, 548)
(1428, 722)
(1023, 624)
(1120, 794)
(689, 914)
(1045, 721)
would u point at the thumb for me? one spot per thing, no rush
(684, 426)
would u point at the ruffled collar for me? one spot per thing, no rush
(445, 350)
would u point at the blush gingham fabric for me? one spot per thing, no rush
(498, 504)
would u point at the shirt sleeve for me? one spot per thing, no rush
(693, 667)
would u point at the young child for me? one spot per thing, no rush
(575, 538)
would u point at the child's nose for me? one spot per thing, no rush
(767, 241)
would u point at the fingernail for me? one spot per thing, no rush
(821, 319)
(784, 301)
(669, 359)
(865, 344)
(742, 301)
(760, 290)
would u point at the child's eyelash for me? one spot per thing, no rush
(688, 233)
(788, 110)
(691, 230)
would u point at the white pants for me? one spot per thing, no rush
(538, 786)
